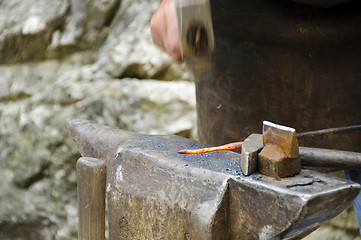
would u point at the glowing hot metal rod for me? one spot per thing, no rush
(228, 146)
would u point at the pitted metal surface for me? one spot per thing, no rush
(155, 193)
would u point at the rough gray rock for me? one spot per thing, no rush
(38, 157)
(86, 26)
(62, 66)
(26, 28)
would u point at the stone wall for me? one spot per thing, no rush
(90, 59)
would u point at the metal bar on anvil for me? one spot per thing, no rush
(155, 193)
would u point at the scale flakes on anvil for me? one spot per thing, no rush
(155, 193)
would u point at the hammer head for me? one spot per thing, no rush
(196, 33)
(280, 156)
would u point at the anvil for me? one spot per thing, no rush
(155, 193)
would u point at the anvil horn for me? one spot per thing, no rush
(155, 193)
(97, 141)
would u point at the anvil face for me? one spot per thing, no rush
(155, 193)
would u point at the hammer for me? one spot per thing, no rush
(196, 33)
(276, 153)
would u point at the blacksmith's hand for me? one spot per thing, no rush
(164, 29)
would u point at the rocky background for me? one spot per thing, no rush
(90, 59)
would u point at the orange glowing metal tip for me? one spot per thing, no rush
(228, 146)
